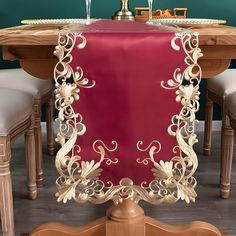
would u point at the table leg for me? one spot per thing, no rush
(127, 219)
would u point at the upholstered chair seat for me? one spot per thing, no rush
(42, 91)
(223, 84)
(15, 108)
(19, 79)
(15, 119)
(219, 89)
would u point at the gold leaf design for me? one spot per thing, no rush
(163, 170)
(90, 170)
(186, 193)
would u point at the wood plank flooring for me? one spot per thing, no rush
(208, 207)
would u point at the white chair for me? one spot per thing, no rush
(218, 88)
(42, 91)
(16, 118)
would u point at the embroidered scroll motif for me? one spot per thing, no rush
(173, 180)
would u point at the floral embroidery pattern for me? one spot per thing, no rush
(173, 180)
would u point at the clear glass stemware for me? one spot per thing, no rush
(88, 7)
(150, 11)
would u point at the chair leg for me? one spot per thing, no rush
(50, 129)
(6, 199)
(208, 126)
(38, 142)
(31, 161)
(227, 143)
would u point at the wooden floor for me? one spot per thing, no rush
(208, 207)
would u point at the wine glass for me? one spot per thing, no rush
(88, 7)
(150, 11)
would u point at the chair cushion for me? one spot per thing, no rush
(224, 83)
(15, 107)
(19, 79)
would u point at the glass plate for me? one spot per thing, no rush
(187, 21)
(55, 21)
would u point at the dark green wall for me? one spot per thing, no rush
(13, 11)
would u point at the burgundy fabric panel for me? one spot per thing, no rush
(127, 103)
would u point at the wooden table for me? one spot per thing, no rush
(33, 46)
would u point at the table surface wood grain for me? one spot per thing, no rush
(47, 35)
(33, 45)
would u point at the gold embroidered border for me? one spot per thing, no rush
(79, 180)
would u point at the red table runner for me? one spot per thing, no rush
(129, 105)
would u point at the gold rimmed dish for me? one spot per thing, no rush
(187, 21)
(55, 21)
